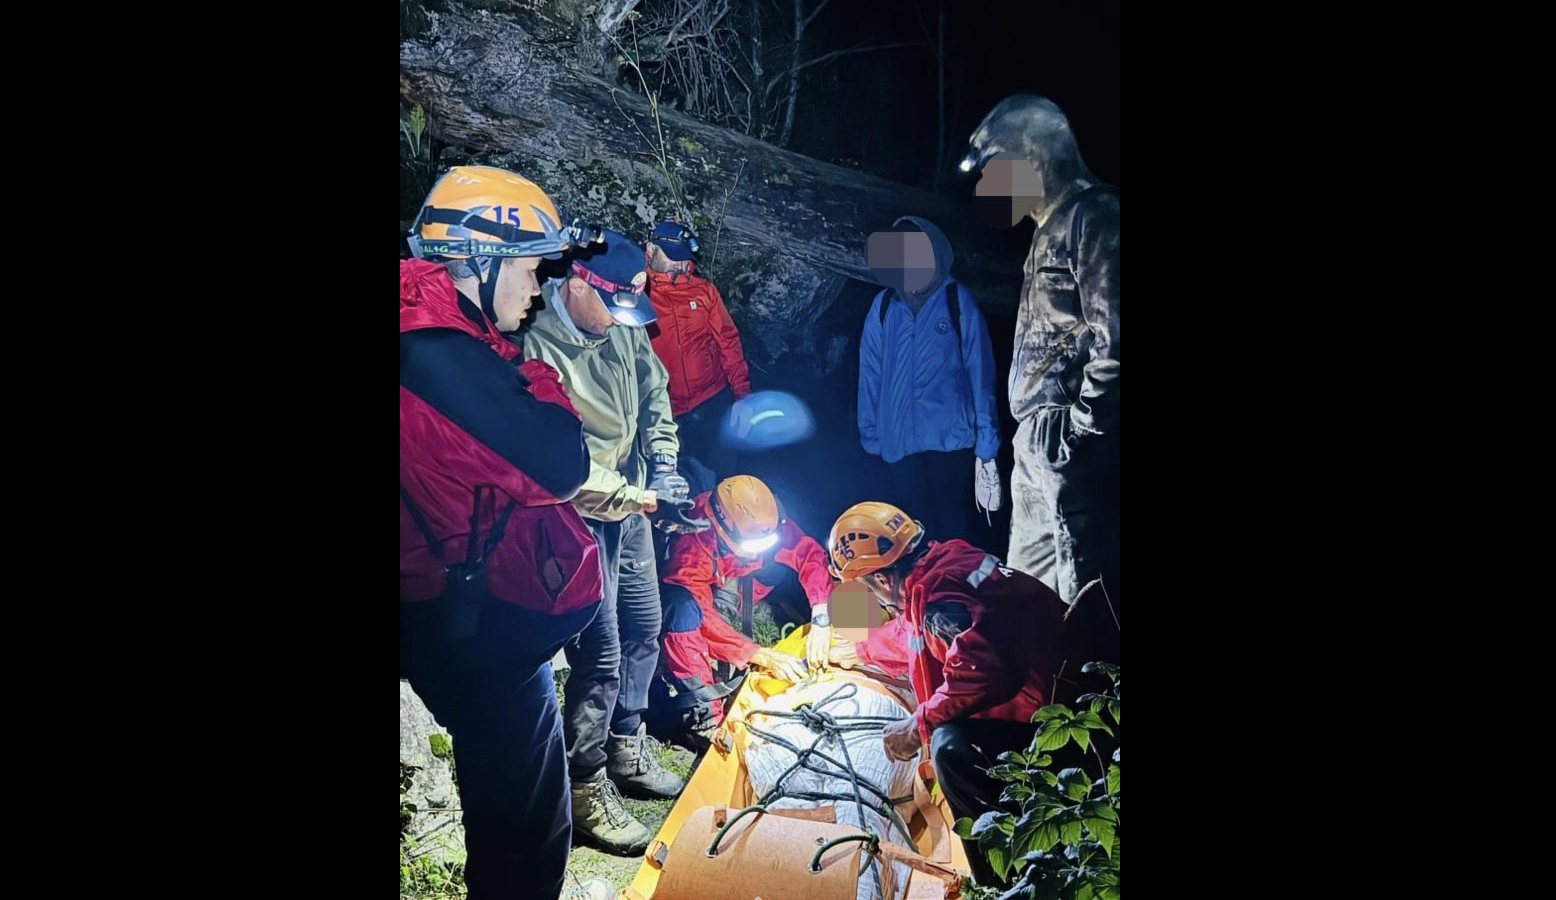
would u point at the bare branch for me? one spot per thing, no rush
(810, 18)
(660, 147)
(674, 36)
(828, 57)
(611, 14)
(923, 24)
(724, 211)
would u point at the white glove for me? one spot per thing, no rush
(986, 485)
(818, 645)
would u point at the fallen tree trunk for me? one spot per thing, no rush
(781, 232)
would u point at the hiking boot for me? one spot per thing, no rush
(600, 815)
(633, 763)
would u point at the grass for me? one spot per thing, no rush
(587, 862)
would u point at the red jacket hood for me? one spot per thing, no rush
(428, 299)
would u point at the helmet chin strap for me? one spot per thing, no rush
(489, 290)
(892, 599)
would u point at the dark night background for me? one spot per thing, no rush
(1067, 50)
(877, 111)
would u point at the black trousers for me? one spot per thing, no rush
(962, 749)
(936, 488)
(495, 695)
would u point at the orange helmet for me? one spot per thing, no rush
(746, 515)
(869, 537)
(479, 211)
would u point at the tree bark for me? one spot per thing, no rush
(794, 74)
(789, 229)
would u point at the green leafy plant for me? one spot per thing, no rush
(413, 127)
(421, 155)
(1064, 843)
(422, 875)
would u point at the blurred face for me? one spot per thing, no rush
(664, 264)
(1008, 190)
(585, 307)
(855, 612)
(901, 260)
(516, 291)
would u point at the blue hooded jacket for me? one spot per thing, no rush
(919, 390)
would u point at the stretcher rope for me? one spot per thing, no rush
(830, 726)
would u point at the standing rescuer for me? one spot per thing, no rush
(592, 332)
(1064, 378)
(700, 346)
(497, 570)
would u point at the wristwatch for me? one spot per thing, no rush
(821, 620)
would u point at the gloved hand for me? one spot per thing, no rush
(674, 516)
(726, 603)
(902, 739)
(664, 479)
(845, 654)
(782, 665)
(986, 485)
(818, 646)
